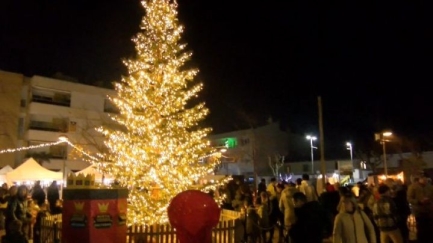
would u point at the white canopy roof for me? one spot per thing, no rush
(6, 169)
(92, 170)
(30, 170)
(73, 165)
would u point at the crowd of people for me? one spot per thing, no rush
(387, 212)
(22, 208)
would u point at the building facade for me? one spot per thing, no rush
(251, 151)
(39, 110)
(11, 85)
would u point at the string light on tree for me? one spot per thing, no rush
(156, 155)
(92, 158)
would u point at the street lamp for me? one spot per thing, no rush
(350, 148)
(64, 139)
(312, 138)
(382, 137)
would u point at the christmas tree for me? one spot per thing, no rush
(160, 151)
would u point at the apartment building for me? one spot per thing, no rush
(251, 151)
(38, 110)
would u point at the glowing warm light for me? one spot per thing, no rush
(63, 138)
(156, 154)
(92, 158)
(387, 134)
(13, 150)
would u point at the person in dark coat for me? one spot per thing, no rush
(53, 196)
(310, 220)
(38, 194)
(329, 201)
(400, 200)
(4, 198)
(262, 186)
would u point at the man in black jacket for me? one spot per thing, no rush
(310, 220)
(53, 196)
(38, 194)
(261, 186)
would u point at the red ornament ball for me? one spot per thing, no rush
(193, 214)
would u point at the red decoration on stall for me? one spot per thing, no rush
(193, 213)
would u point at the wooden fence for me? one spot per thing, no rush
(51, 229)
(224, 232)
(228, 230)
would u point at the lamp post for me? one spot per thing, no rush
(382, 137)
(64, 139)
(350, 148)
(312, 138)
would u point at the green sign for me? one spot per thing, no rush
(231, 142)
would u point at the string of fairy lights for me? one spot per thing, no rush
(42, 145)
(207, 187)
(13, 150)
(92, 158)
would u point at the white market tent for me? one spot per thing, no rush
(30, 170)
(6, 169)
(3, 172)
(98, 175)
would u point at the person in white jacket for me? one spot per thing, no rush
(308, 189)
(353, 225)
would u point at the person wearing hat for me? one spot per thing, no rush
(352, 225)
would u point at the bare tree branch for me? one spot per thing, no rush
(276, 164)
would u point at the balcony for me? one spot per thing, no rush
(47, 126)
(47, 153)
(61, 101)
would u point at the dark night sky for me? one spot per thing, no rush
(370, 61)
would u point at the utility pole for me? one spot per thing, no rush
(385, 166)
(254, 160)
(322, 142)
